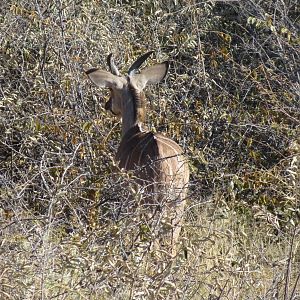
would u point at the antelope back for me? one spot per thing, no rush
(157, 162)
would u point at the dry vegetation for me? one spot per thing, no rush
(231, 100)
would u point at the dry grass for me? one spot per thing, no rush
(231, 100)
(228, 257)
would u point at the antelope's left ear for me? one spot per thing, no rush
(151, 75)
(104, 79)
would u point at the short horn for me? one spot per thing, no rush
(111, 64)
(135, 66)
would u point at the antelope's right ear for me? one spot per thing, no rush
(104, 79)
(151, 75)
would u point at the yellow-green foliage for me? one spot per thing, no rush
(231, 99)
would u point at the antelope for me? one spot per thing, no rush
(156, 161)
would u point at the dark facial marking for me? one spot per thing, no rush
(108, 106)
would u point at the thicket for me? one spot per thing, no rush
(231, 99)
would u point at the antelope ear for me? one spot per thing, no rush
(151, 75)
(104, 79)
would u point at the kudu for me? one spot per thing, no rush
(156, 161)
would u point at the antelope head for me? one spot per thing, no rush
(124, 89)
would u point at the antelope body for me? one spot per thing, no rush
(156, 161)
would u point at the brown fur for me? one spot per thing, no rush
(139, 104)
